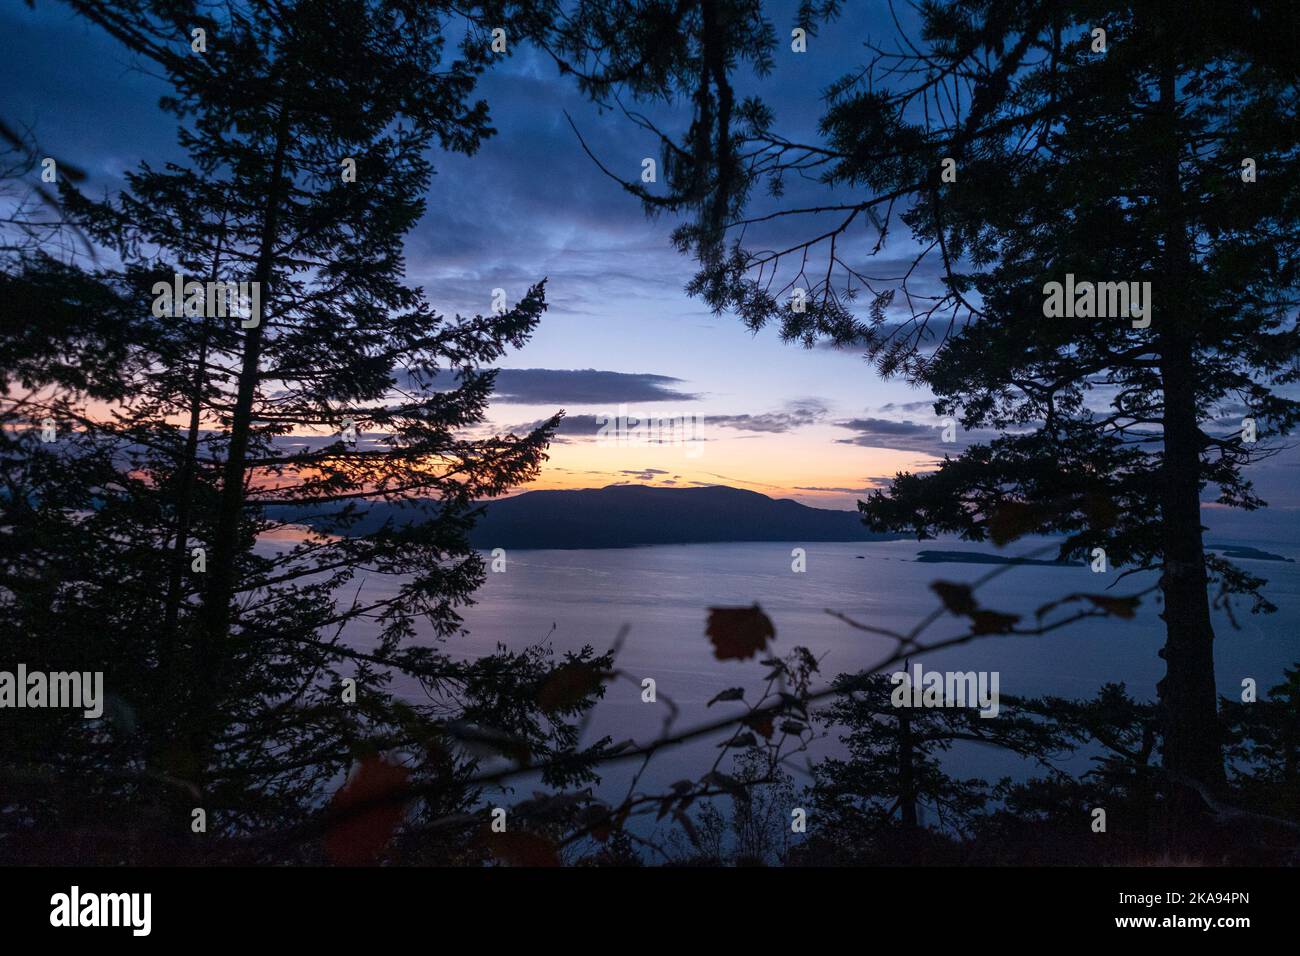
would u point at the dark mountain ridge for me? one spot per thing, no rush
(620, 516)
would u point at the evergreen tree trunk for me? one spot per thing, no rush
(185, 490)
(184, 493)
(169, 657)
(906, 774)
(1192, 745)
(226, 538)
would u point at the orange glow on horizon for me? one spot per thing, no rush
(809, 466)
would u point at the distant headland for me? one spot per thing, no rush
(621, 516)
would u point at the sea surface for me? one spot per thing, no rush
(660, 596)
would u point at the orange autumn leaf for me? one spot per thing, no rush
(738, 633)
(569, 685)
(366, 817)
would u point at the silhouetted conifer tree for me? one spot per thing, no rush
(247, 673)
(1019, 143)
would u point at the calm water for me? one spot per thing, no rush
(574, 598)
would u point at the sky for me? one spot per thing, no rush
(620, 338)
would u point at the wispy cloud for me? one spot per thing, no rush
(551, 386)
(796, 414)
(906, 435)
